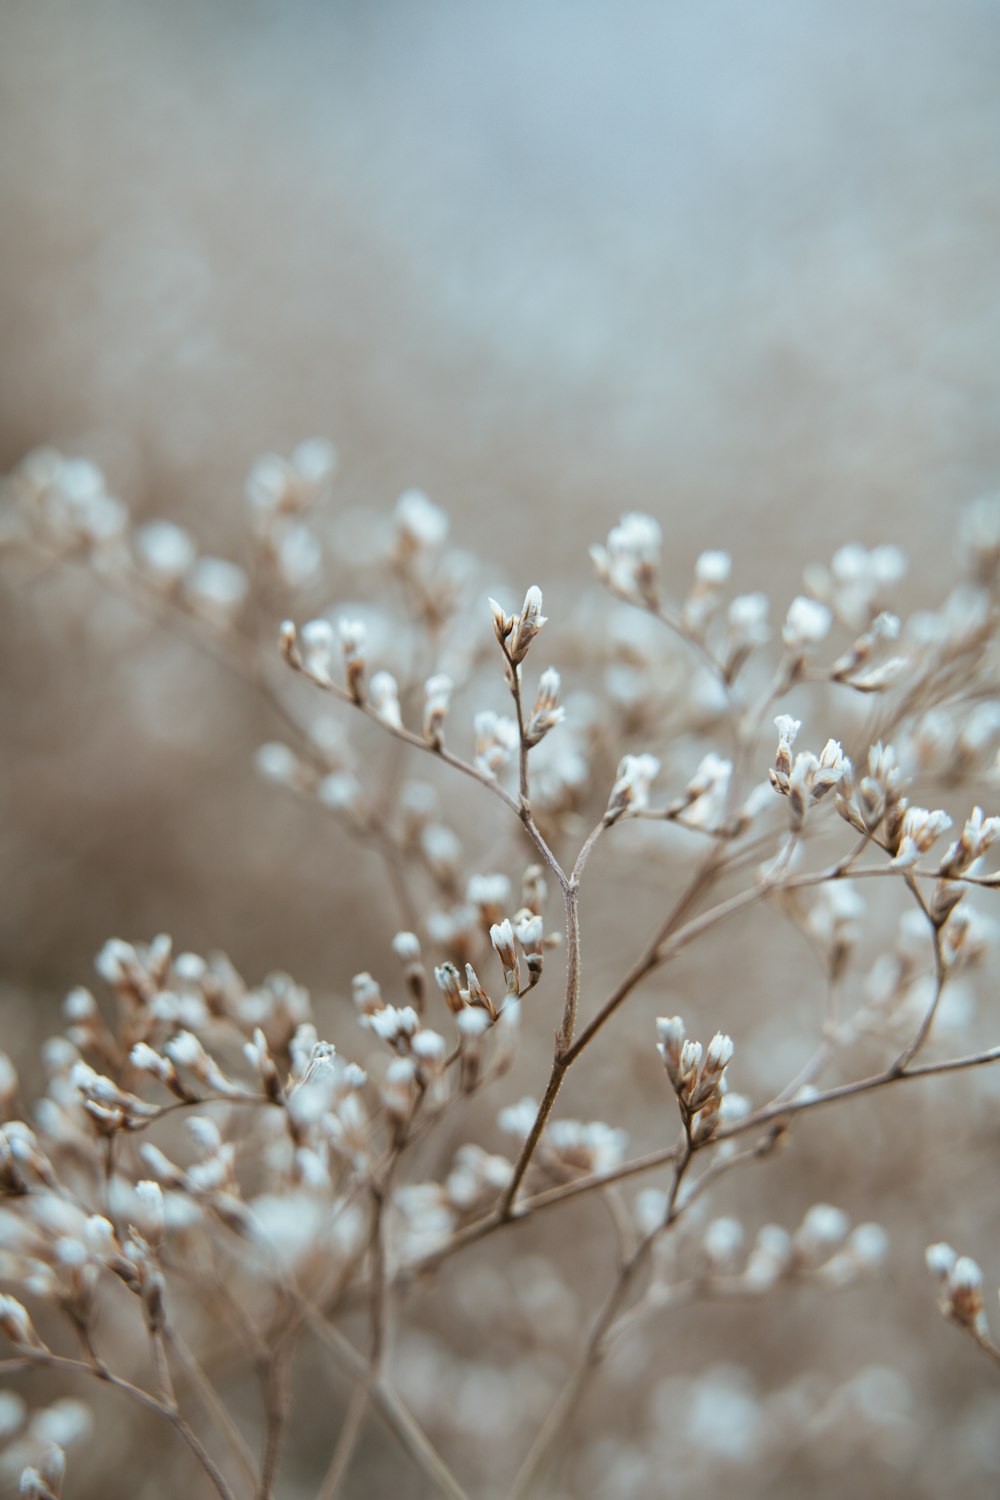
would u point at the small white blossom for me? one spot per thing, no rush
(630, 792)
(316, 639)
(437, 701)
(383, 695)
(630, 562)
(279, 763)
(166, 551)
(216, 589)
(420, 524)
(806, 624)
(526, 625)
(496, 741)
(920, 830)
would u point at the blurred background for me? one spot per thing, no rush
(733, 265)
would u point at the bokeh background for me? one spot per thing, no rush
(735, 265)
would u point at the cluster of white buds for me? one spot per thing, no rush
(134, 1260)
(110, 1107)
(458, 996)
(960, 1281)
(878, 796)
(978, 835)
(863, 1252)
(134, 974)
(698, 1075)
(279, 487)
(584, 1146)
(807, 624)
(278, 492)
(322, 1100)
(148, 1060)
(809, 777)
(211, 1179)
(546, 712)
(517, 1119)
(69, 498)
(437, 701)
(630, 563)
(711, 574)
(502, 939)
(425, 1220)
(568, 1145)
(402, 1031)
(496, 741)
(856, 581)
(846, 668)
(630, 793)
(919, 832)
(476, 1179)
(822, 1231)
(824, 1247)
(516, 632)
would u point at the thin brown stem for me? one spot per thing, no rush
(540, 1453)
(390, 1408)
(99, 1371)
(890, 1075)
(351, 1429)
(213, 1403)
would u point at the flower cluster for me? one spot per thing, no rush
(206, 1178)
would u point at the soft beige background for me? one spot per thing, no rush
(733, 264)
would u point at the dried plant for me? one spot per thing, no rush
(311, 1196)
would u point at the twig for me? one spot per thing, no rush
(213, 1402)
(390, 1408)
(99, 1371)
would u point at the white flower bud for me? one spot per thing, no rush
(165, 550)
(383, 695)
(420, 524)
(807, 624)
(316, 640)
